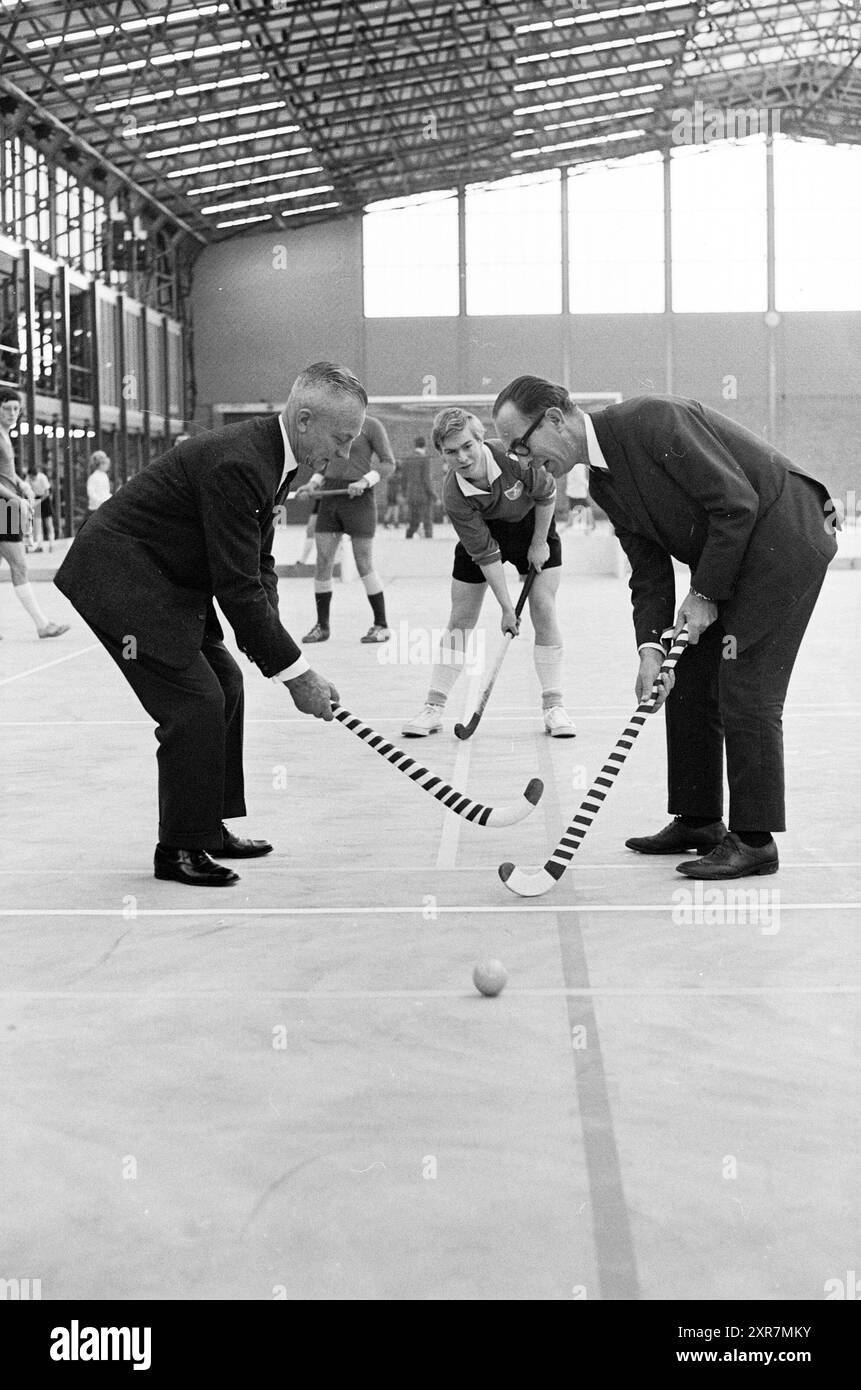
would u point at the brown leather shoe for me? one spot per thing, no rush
(237, 847)
(675, 837)
(192, 866)
(732, 858)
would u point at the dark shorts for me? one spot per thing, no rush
(348, 516)
(514, 539)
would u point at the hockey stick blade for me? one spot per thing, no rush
(534, 883)
(464, 731)
(494, 817)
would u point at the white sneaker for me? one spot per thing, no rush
(558, 723)
(427, 721)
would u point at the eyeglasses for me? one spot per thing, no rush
(518, 448)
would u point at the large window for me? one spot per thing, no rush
(514, 246)
(410, 254)
(817, 197)
(719, 227)
(616, 237)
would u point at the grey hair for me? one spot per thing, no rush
(329, 376)
(453, 418)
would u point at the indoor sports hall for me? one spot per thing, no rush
(444, 1040)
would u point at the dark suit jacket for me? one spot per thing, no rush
(197, 524)
(417, 479)
(685, 481)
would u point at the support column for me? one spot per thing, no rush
(65, 385)
(669, 317)
(567, 364)
(462, 320)
(95, 368)
(29, 340)
(772, 318)
(124, 415)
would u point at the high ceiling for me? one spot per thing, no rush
(294, 110)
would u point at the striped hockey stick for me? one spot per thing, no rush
(534, 883)
(453, 800)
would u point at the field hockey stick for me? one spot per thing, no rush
(533, 883)
(463, 731)
(452, 799)
(318, 496)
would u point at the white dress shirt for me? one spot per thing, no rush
(300, 666)
(597, 460)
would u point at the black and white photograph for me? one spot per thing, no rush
(430, 641)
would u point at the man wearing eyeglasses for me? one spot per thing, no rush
(679, 480)
(502, 509)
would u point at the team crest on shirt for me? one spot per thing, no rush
(513, 492)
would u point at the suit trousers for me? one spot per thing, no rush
(199, 716)
(421, 514)
(734, 701)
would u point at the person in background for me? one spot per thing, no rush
(394, 494)
(309, 544)
(99, 482)
(370, 460)
(16, 518)
(503, 511)
(43, 518)
(580, 512)
(420, 494)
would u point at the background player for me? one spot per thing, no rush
(502, 509)
(371, 459)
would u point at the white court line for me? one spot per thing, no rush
(450, 837)
(646, 862)
(345, 910)
(309, 723)
(338, 995)
(34, 671)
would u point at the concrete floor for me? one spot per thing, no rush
(291, 1089)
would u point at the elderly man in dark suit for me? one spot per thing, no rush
(198, 525)
(680, 480)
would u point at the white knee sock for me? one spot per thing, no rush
(24, 593)
(372, 583)
(446, 670)
(548, 668)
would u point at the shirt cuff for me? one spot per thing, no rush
(656, 646)
(299, 667)
(372, 477)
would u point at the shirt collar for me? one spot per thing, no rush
(493, 472)
(596, 458)
(290, 464)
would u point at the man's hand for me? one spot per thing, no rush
(698, 614)
(510, 622)
(650, 665)
(538, 554)
(356, 489)
(312, 694)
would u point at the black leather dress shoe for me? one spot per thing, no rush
(192, 866)
(676, 837)
(732, 859)
(236, 847)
